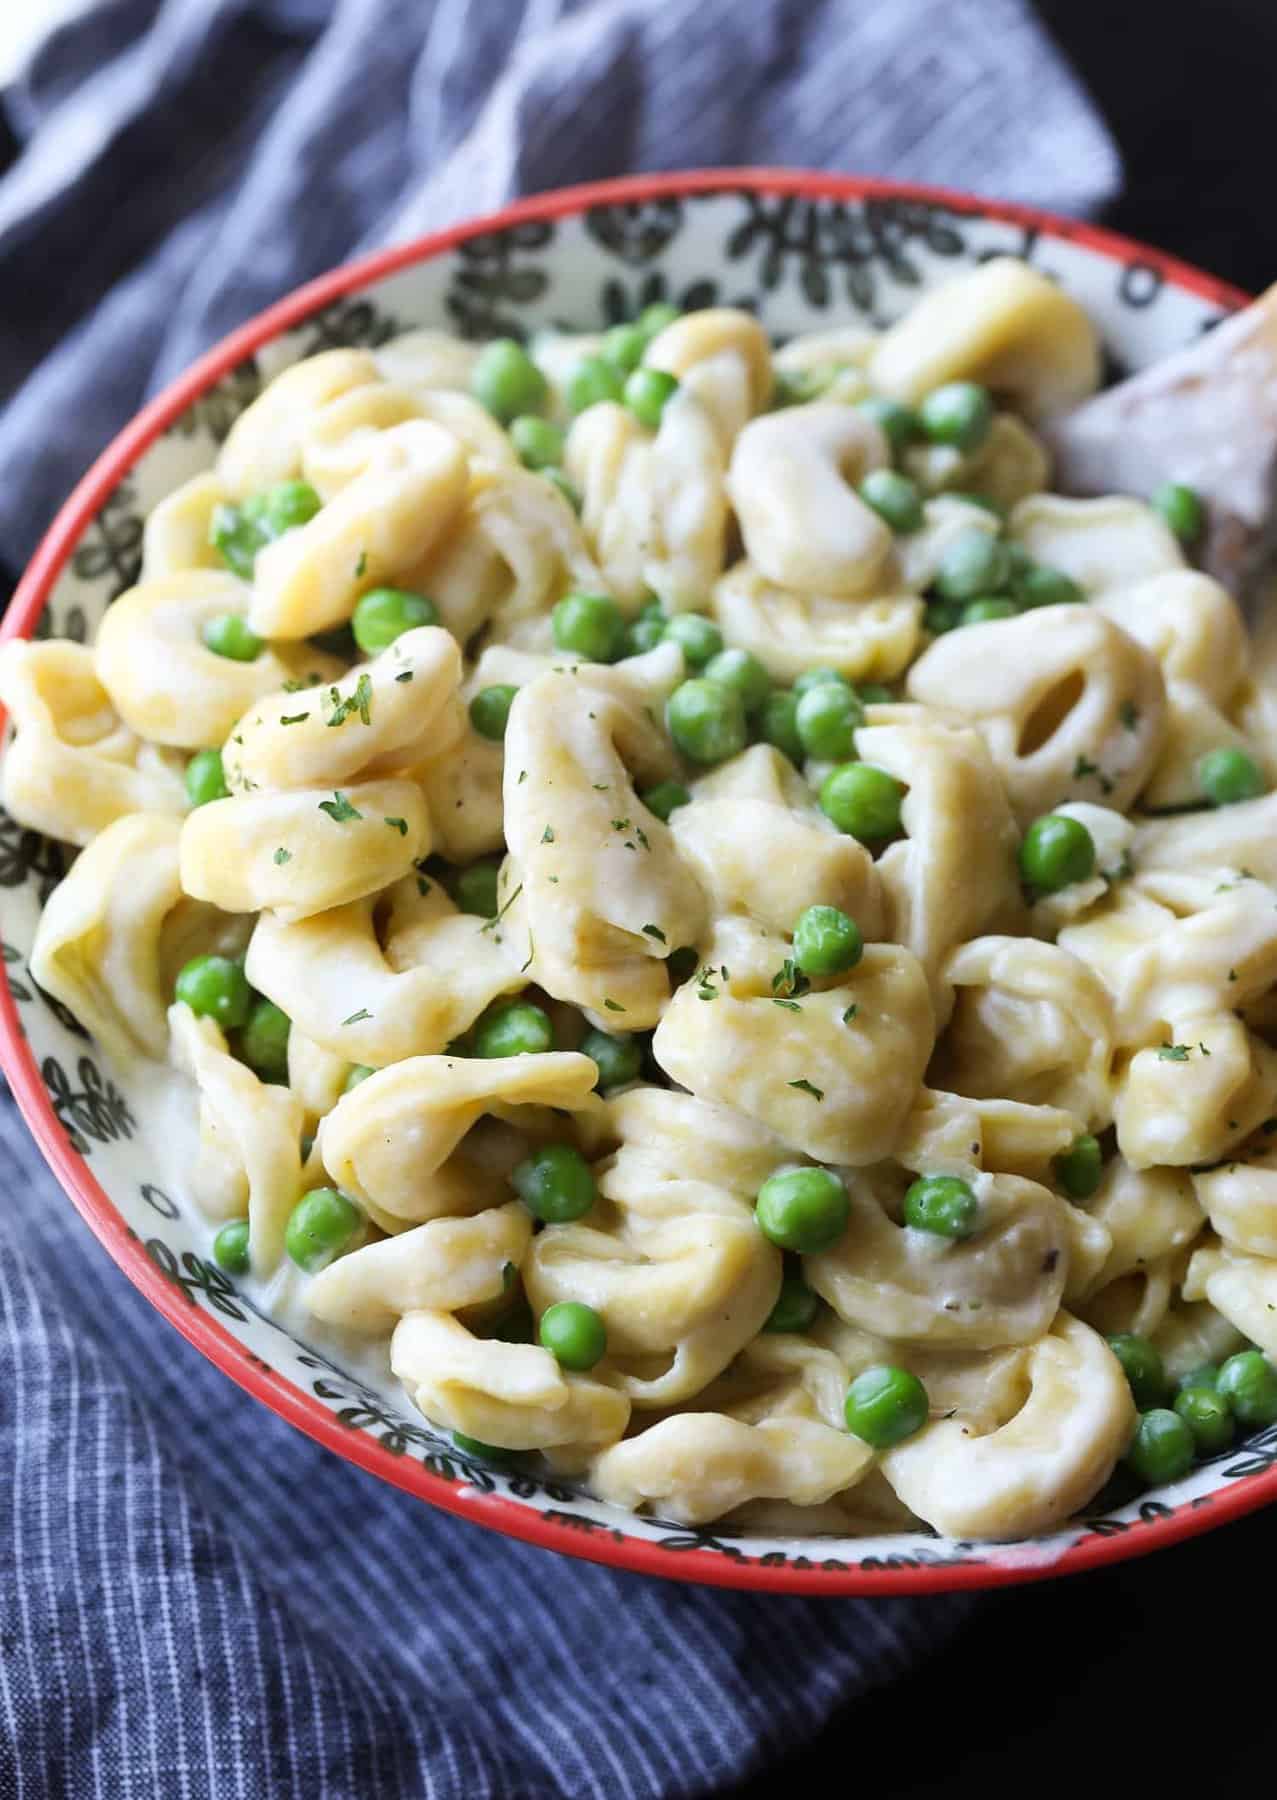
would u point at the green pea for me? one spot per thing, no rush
(682, 964)
(513, 1028)
(239, 532)
(943, 1204)
(654, 318)
(894, 498)
(982, 612)
(805, 1210)
(811, 678)
(885, 1405)
(1056, 852)
(644, 633)
(647, 393)
(875, 693)
(665, 798)
(826, 941)
(778, 723)
(1205, 1375)
(358, 1072)
(323, 1223)
(507, 381)
(517, 1326)
(591, 381)
(574, 1334)
(899, 424)
(826, 720)
(490, 710)
(570, 492)
(974, 565)
(1143, 1367)
(284, 507)
(624, 345)
(940, 616)
(744, 674)
(538, 444)
(237, 538)
(1079, 1168)
(1182, 509)
(696, 636)
(1162, 1449)
(475, 889)
(1248, 1381)
(228, 635)
(555, 1184)
(205, 778)
(1228, 775)
(589, 625)
(619, 1058)
(985, 502)
(489, 1453)
(230, 1247)
(385, 613)
(959, 413)
(1208, 1416)
(795, 387)
(796, 1306)
(862, 801)
(1043, 586)
(216, 988)
(706, 721)
(263, 1042)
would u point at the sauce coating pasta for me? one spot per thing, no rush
(702, 908)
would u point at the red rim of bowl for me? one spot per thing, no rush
(573, 1536)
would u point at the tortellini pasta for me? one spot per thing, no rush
(644, 1029)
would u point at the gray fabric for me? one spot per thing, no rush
(195, 1601)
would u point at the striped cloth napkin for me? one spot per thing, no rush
(196, 1601)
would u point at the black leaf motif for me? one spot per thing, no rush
(159, 1201)
(25, 853)
(12, 960)
(1261, 1455)
(638, 231)
(112, 546)
(196, 1278)
(486, 280)
(862, 240)
(349, 325)
(96, 1110)
(217, 410)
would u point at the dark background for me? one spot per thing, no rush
(1143, 1676)
(1098, 1678)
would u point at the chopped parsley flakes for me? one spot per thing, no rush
(808, 1087)
(355, 1017)
(339, 808)
(282, 856)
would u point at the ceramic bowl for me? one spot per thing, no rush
(805, 251)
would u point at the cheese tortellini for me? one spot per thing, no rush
(757, 1090)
